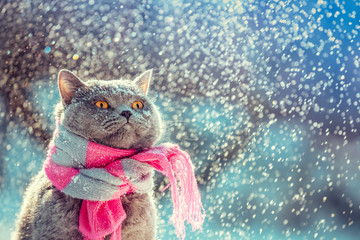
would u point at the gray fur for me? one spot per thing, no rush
(47, 213)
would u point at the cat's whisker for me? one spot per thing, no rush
(111, 124)
(107, 121)
(176, 121)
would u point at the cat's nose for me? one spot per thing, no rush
(126, 114)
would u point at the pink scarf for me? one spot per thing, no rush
(94, 172)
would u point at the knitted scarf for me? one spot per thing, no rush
(96, 174)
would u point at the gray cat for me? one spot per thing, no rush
(48, 213)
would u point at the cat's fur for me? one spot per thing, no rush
(47, 213)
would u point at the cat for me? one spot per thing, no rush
(48, 213)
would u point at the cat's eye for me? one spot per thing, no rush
(102, 104)
(137, 105)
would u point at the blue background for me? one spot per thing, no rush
(264, 95)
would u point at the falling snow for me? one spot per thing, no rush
(264, 95)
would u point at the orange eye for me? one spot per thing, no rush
(137, 105)
(102, 104)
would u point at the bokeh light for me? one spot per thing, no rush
(264, 95)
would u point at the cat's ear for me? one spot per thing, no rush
(143, 81)
(69, 83)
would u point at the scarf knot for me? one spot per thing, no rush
(100, 175)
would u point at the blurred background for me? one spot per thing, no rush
(264, 95)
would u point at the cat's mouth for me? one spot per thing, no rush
(117, 126)
(122, 130)
(127, 126)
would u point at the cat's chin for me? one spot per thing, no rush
(127, 127)
(124, 138)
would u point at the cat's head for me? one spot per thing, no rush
(116, 113)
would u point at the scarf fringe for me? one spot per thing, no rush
(185, 194)
(177, 166)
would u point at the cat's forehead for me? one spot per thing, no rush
(114, 87)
